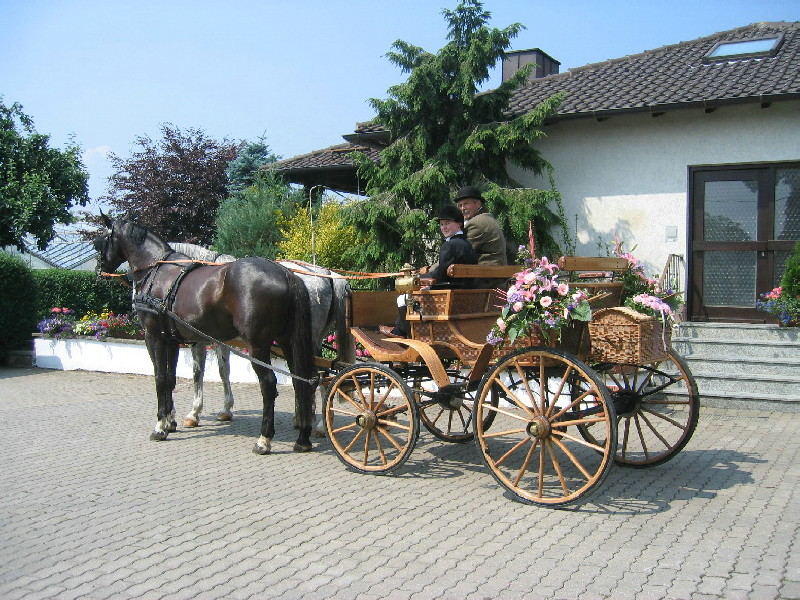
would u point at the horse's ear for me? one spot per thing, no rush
(106, 219)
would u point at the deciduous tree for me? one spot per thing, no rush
(173, 185)
(38, 184)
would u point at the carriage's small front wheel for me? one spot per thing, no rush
(657, 409)
(532, 448)
(370, 418)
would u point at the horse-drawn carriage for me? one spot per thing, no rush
(549, 418)
(545, 414)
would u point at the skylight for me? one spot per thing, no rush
(745, 48)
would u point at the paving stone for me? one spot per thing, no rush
(208, 519)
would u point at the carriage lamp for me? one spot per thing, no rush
(408, 281)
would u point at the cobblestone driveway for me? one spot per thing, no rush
(90, 508)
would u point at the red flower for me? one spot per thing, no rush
(55, 310)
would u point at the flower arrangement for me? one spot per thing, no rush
(537, 300)
(60, 323)
(782, 305)
(107, 324)
(652, 305)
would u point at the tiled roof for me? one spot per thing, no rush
(674, 76)
(331, 157)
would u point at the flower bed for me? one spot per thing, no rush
(130, 356)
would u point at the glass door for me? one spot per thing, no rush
(744, 225)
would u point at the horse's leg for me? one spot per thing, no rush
(269, 390)
(192, 418)
(224, 363)
(303, 405)
(319, 427)
(164, 355)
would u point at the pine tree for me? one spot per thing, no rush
(444, 133)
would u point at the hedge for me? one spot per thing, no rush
(82, 291)
(17, 300)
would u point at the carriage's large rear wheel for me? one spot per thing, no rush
(532, 448)
(370, 418)
(657, 409)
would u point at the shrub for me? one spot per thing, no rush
(790, 281)
(82, 291)
(17, 303)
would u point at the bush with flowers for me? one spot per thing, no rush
(538, 303)
(782, 305)
(62, 324)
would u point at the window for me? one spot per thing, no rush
(744, 49)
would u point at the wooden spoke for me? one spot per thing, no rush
(517, 401)
(508, 414)
(557, 395)
(653, 429)
(572, 457)
(390, 438)
(524, 380)
(641, 437)
(582, 442)
(359, 433)
(526, 462)
(495, 434)
(349, 399)
(366, 446)
(557, 468)
(359, 391)
(664, 417)
(516, 447)
(586, 421)
(346, 427)
(340, 411)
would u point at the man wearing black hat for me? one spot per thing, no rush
(482, 231)
(455, 250)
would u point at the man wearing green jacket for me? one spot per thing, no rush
(482, 231)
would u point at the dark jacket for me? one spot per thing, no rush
(455, 251)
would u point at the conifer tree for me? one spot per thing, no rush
(444, 133)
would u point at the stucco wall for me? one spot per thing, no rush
(628, 175)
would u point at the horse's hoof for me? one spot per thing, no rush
(298, 447)
(190, 423)
(261, 450)
(158, 436)
(173, 427)
(224, 416)
(319, 434)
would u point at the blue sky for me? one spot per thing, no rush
(299, 72)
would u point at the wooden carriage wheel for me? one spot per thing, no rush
(370, 418)
(657, 410)
(449, 415)
(532, 449)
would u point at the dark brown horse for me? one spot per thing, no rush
(255, 299)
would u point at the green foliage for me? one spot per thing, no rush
(790, 281)
(334, 243)
(81, 291)
(17, 298)
(243, 170)
(38, 184)
(445, 134)
(248, 223)
(173, 186)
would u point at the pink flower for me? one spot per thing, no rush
(55, 310)
(563, 289)
(545, 301)
(517, 306)
(501, 325)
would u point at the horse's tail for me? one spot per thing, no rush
(346, 348)
(302, 342)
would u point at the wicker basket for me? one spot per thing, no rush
(455, 303)
(623, 335)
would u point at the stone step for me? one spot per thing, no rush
(727, 366)
(752, 349)
(750, 385)
(737, 331)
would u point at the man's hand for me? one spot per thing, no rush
(426, 282)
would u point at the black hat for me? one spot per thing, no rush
(451, 213)
(468, 192)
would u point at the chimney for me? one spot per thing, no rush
(545, 64)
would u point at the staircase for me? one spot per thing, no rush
(735, 362)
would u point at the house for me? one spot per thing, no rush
(688, 150)
(65, 251)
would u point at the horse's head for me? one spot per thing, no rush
(109, 247)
